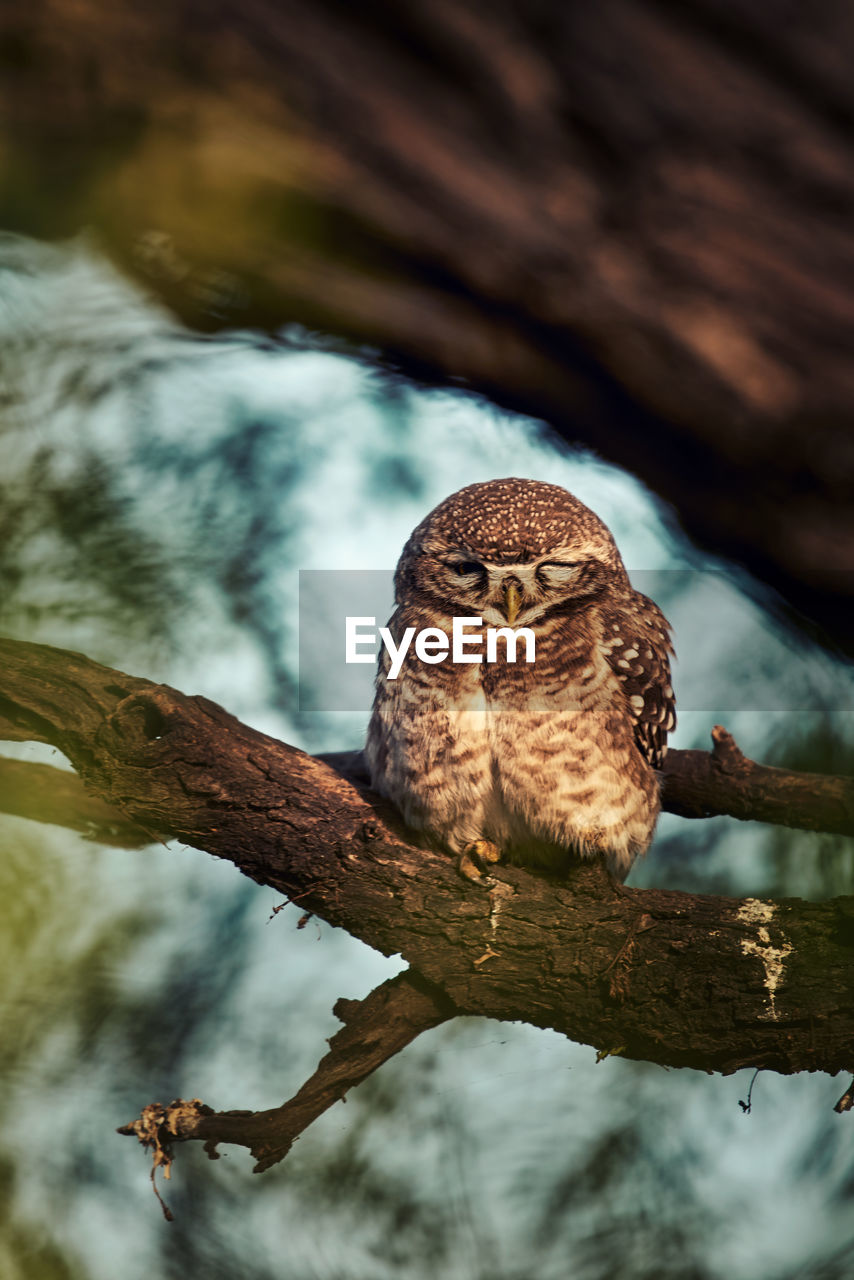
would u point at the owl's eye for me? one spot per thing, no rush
(467, 568)
(553, 573)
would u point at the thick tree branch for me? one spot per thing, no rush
(680, 979)
(696, 784)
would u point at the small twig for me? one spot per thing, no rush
(746, 1106)
(295, 897)
(727, 756)
(157, 1128)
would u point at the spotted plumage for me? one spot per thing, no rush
(542, 760)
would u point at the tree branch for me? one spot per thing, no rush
(674, 978)
(46, 794)
(375, 1029)
(607, 965)
(701, 784)
(695, 784)
(721, 782)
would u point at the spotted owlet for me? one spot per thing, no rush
(534, 760)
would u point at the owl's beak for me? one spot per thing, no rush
(512, 602)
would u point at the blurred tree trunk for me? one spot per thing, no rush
(632, 219)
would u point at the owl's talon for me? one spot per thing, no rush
(484, 851)
(468, 868)
(474, 859)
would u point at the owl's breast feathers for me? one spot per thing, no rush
(560, 752)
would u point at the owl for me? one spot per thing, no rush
(543, 761)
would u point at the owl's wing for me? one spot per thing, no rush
(637, 646)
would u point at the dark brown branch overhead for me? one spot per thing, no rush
(678, 979)
(631, 219)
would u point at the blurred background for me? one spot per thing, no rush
(160, 495)
(274, 280)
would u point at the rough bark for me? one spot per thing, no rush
(700, 784)
(680, 979)
(630, 219)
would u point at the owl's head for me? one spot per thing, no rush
(509, 551)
